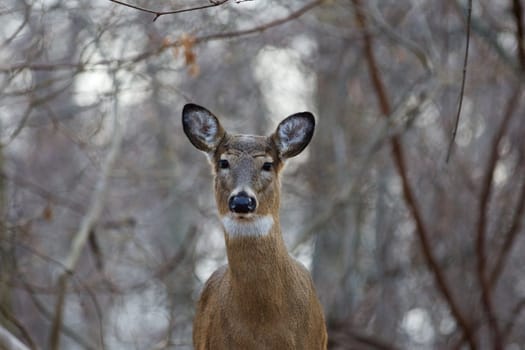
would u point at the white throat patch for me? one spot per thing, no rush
(259, 226)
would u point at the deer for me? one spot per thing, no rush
(263, 298)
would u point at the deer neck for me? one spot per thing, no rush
(259, 268)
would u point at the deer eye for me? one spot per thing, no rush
(267, 166)
(224, 164)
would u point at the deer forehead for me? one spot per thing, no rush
(240, 146)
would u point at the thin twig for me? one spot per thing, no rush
(32, 290)
(291, 16)
(516, 312)
(463, 79)
(98, 312)
(171, 264)
(346, 338)
(55, 66)
(68, 331)
(391, 33)
(34, 103)
(44, 193)
(162, 13)
(510, 237)
(517, 10)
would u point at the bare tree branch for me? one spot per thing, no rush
(43, 192)
(80, 239)
(21, 328)
(129, 61)
(482, 219)
(68, 331)
(9, 342)
(510, 237)
(261, 28)
(517, 10)
(162, 13)
(399, 120)
(511, 322)
(348, 339)
(399, 161)
(376, 16)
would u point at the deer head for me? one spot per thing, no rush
(246, 168)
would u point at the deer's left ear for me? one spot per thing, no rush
(293, 134)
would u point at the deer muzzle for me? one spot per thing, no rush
(242, 203)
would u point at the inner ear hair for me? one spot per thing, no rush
(202, 128)
(294, 133)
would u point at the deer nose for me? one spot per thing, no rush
(242, 203)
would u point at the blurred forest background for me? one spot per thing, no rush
(108, 227)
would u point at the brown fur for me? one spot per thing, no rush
(263, 299)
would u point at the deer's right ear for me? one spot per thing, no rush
(202, 127)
